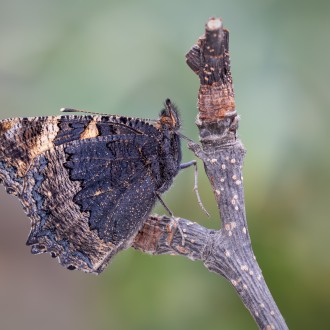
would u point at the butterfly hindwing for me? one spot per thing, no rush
(58, 225)
(117, 186)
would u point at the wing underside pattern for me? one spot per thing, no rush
(87, 198)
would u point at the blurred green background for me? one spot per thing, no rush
(126, 57)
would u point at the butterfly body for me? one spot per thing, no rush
(88, 183)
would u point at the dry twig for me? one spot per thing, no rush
(227, 251)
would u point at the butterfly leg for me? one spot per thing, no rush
(194, 163)
(174, 221)
(164, 205)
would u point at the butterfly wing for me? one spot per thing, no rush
(33, 152)
(117, 185)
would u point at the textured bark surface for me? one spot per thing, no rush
(227, 251)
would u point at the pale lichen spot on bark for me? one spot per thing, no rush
(251, 272)
(245, 287)
(222, 179)
(238, 182)
(223, 166)
(245, 268)
(262, 305)
(244, 230)
(270, 327)
(233, 160)
(234, 177)
(227, 253)
(182, 250)
(234, 282)
(213, 160)
(217, 192)
(272, 312)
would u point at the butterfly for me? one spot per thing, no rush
(89, 182)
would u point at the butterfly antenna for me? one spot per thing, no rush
(185, 137)
(82, 111)
(99, 113)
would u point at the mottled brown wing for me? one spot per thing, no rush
(32, 158)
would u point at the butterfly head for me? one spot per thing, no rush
(169, 116)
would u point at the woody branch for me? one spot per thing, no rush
(226, 251)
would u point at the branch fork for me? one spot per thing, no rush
(227, 251)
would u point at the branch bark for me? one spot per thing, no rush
(227, 251)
